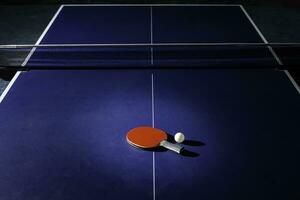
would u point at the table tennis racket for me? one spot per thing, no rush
(148, 137)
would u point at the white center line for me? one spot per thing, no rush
(151, 28)
(152, 91)
(153, 155)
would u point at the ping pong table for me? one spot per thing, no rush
(62, 133)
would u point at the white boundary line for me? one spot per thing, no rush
(271, 49)
(5, 92)
(153, 154)
(292, 80)
(212, 5)
(42, 36)
(261, 35)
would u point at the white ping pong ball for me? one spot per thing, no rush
(179, 137)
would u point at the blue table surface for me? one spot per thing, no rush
(62, 134)
(134, 25)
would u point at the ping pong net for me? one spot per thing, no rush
(143, 56)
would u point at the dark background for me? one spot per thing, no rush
(245, 2)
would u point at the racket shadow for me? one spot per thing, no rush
(188, 153)
(184, 152)
(155, 149)
(193, 143)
